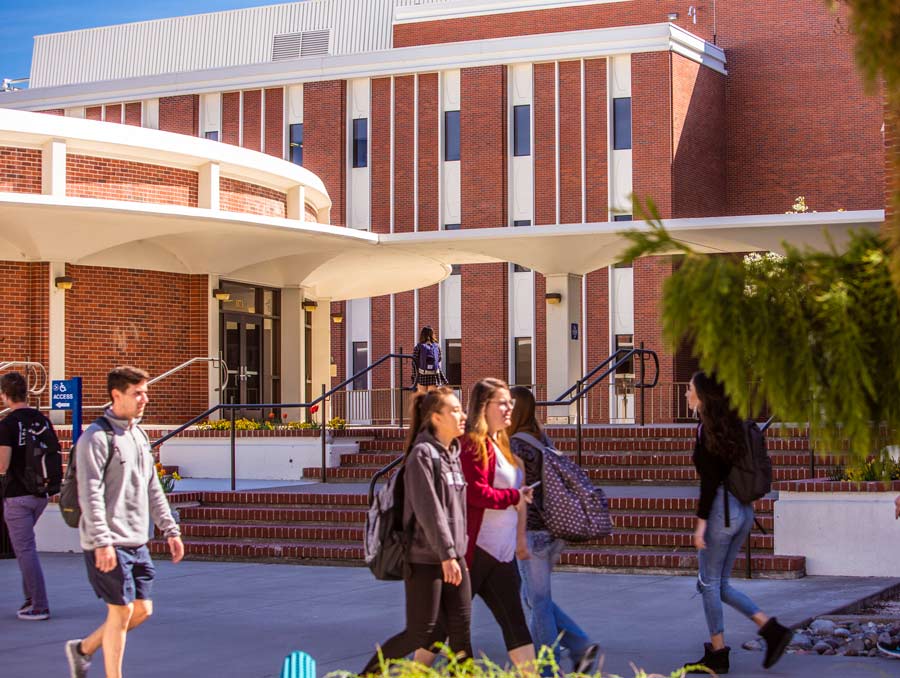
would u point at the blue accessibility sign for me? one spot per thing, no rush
(65, 393)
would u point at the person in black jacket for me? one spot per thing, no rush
(723, 524)
(438, 583)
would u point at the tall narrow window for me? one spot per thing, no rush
(296, 143)
(523, 361)
(212, 136)
(622, 124)
(361, 142)
(453, 361)
(451, 135)
(522, 130)
(360, 362)
(516, 267)
(622, 217)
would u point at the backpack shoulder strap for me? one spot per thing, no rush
(530, 440)
(103, 423)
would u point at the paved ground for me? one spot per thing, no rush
(239, 620)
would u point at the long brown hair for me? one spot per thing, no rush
(426, 336)
(723, 432)
(476, 423)
(523, 414)
(423, 405)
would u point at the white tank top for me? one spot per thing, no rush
(497, 535)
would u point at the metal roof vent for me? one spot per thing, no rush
(295, 45)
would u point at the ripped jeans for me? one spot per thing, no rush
(722, 547)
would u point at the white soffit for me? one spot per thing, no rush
(593, 43)
(411, 11)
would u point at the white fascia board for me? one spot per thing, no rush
(469, 8)
(602, 42)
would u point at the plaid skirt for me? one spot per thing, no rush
(425, 379)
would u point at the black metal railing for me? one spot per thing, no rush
(232, 408)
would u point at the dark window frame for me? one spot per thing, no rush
(452, 136)
(518, 344)
(452, 360)
(295, 147)
(361, 383)
(621, 128)
(522, 130)
(360, 143)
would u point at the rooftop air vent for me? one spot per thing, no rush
(315, 43)
(295, 45)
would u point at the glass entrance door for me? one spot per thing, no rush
(242, 340)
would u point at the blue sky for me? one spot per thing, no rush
(21, 20)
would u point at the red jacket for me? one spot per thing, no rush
(480, 491)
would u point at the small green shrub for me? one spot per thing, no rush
(880, 467)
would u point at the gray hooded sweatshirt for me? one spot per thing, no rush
(437, 510)
(116, 508)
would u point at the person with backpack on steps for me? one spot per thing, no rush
(723, 446)
(31, 471)
(427, 372)
(540, 552)
(437, 584)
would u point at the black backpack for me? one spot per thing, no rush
(750, 477)
(42, 471)
(574, 508)
(386, 538)
(428, 357)
(68, 494)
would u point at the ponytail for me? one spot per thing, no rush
(423, 405)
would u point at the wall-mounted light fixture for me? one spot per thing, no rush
(337, 317)
(672, 16)
(64, 282)
(309, 305)
(553, 298)
(221, 295)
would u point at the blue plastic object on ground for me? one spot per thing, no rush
(298, 665)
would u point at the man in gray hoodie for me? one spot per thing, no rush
(119, 491)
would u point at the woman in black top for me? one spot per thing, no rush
(723, 524)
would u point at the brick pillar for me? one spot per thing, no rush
(570, 142)
(275, 125)
(252, 121)
(180, 114)
(231, 118)
(427, 204)
(133, 113)
(596, 143)
(324, 140)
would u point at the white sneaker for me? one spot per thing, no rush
(78, 663)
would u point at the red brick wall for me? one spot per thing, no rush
(93, 113)
(650, 273)
(596, 334)
(240, 196)
(231, 118)
(24, 306)
(381, 340)
(483, 154)
(339, 342)
(20, 170)
(53, 111)
(113, 113)
(380, 156)
(404, 154)
(324, 139)
(252, 122)
(149, 319)
(544, 150)
(698, 122)
(595, 138)
(275, 125)
(133, 113)
(109, 179)
(429, 209)
(651, 128)
(180, 114)
(570, 142)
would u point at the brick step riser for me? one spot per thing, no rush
(649, 445)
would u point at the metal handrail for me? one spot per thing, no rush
(232, 408)
(31, 368)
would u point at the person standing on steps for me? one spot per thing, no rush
(541, 549)
(427, 372)
(437, 584)
(118, 491)
(723, 524)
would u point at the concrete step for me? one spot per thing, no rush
(684, 445)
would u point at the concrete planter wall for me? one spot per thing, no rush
(843, 528)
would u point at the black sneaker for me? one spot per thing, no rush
(78, 663)
(26, 606)
(32, 614)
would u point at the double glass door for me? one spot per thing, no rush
(242, 335)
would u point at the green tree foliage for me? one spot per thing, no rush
(817, 334)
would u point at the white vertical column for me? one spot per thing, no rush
(321, 352)
(208, 186)
(293, 377)
(620, 165)
(563, 352)
(53, 168)
(358, 178)
(56, 329)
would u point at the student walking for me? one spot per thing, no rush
(427, 372)
(536, 562)
(438, 581)
(723, 524)
(119, 491)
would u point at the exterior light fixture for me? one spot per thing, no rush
(309, 305)
(64, 282)
(337, 317)
(553, 298)
(221, 295)
(672, 16)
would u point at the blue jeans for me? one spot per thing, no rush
(547, 621)
(21, 514)
(717, 559)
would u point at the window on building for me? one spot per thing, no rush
(212, 136)
(622, 123)
(626, 343)
(522, 130)
(523, 361)
(360, 142)
(295, 134)
(452, 227)
(451, 135)
(453, 361)
(360, 362)
(516, 267)
(622, 217)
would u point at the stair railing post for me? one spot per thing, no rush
(322, 410)
(578, 422)
(233, 456)
(643, 423)
(400, 393)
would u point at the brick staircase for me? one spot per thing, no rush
(653, 531)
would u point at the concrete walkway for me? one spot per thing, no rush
(239, 620)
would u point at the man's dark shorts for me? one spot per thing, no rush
(130, 579)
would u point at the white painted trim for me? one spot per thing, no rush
(240, 119)
(416, 166)
(56, 331)
(556, 134)
(583, 147)
(423, 59)
(391, 164)
(470, 8)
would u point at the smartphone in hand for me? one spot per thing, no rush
(532, 486)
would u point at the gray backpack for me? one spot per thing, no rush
(574, 508)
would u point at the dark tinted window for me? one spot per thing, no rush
(622, 123)
(451, 135)
(622, 217)
(296, 143)
(522, 130)
(452, 227)
(361, 142)
(453, 361)
(516, 267)
(212, 136)
(523, 361)
(360, 362)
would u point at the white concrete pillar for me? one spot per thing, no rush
(296, 203)
(208, 187)
(321, 351)
(292, 353)
(56, 329)
(53, 168)
(563, 340)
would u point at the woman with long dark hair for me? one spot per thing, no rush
(723, 524)
(541, 551)
(427, 371)
(438, 583)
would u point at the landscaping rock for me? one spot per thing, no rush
(802, 641)
(822, 647)
(885, 639)
(841, 632)
(752, 645)
(856, 646)
(822, 627)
